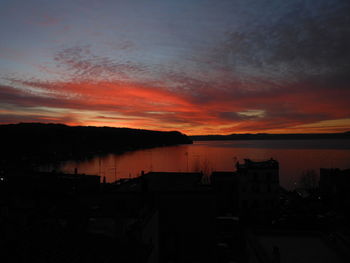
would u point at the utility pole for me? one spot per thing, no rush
(115, 168)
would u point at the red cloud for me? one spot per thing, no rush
(141, 105)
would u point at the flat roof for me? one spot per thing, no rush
(159, 181)
(249, 164)
(299, 248)
(165, 181)
(224, 173)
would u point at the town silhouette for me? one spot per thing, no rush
(243, 215)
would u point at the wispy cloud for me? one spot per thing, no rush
(80, 63)
(251, 67)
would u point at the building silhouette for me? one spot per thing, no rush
(258, 188)
(334, 188)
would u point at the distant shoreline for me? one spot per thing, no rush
(266, 136)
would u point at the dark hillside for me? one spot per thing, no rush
(267, 136)
(37, 142)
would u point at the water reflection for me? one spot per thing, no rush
(294, 158)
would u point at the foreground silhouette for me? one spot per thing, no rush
(237, 216)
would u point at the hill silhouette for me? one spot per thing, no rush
(39, 143)
(267, 136)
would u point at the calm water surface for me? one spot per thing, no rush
(294, 156)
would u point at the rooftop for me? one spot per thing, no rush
(334, 171)
(158, 181)
(299, 248)
(164, 181)
(223, 173)
(249, 164)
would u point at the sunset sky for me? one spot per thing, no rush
(197, 66)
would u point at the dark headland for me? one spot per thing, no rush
(38, 142)
(267, 136)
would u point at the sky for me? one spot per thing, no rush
(196, 66)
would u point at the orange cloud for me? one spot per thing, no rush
(202, 110)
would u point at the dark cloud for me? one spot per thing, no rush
(80, 62)
(235, 116)
(45, 118)
(307, 42)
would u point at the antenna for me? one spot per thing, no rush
(99, 165)
(186, 153)
(115, 168)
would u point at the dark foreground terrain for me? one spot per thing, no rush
(230, 216)
(239, 216)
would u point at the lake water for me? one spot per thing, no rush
(294, 156)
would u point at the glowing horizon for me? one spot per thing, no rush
(196, 67)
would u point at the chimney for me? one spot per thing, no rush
(144, 183)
